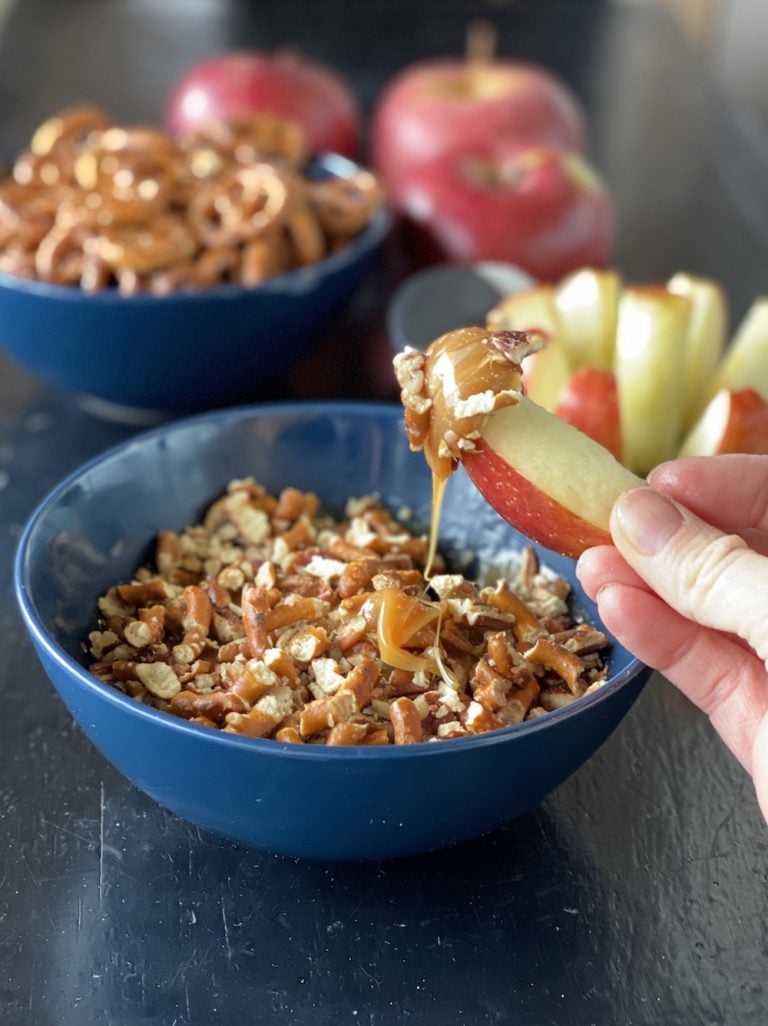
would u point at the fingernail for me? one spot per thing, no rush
(647, 519)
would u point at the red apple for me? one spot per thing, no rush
(551, 482)
(446, 105)
(590, 402)
(732, 422)
(541, 208)
(285, 83)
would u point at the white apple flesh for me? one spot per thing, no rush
(705, 338)
(587, 302)
(745, 363)
(547, 479)
(649, 367)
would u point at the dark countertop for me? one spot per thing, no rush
(637, 893)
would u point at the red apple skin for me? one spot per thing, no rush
(747, 427)
(543, 209)
(432, 108)
(286, 84)
(529, 510)
(590, 402)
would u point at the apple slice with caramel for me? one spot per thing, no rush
(463, 403)
(546, 478)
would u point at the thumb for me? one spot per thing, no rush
(713, 579)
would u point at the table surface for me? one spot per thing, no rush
(636, 894)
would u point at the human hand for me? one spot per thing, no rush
(686, 590)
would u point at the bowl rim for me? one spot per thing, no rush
(295, 280)
(355, 753)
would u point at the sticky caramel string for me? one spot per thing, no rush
(438, 492)
(448, 676)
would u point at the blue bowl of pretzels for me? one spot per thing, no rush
(169, 274)
(259, 653)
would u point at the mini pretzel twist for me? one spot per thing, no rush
(133, 170)
(243, 205)
(144, 248)
(344, 206)
(244, 140)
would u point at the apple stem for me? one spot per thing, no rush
(481, 42)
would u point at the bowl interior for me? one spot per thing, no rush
(99, 525)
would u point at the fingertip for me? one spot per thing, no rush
(592, 567)
(658, 474)
(645, 520)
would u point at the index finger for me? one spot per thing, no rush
(730, 491)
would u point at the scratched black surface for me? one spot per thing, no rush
(637, 893)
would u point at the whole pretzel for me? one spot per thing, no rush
(244, 204)
(305, 234)
(144, 248)
(215, 265)
(344, 206)
(60, 257)
(50, 159)
(67, 127)
(247, 139)
(264, 258)
(133, 171)
(25, 214)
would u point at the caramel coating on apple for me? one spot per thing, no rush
(449, 391)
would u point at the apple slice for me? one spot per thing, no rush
(704, 341)
(590, 402)
(649, 367)
(550, 481)
(732, 422)
(527, 310)
(587, 302)
(745, 364)
(546, 372)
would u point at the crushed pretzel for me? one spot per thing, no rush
(338, 639)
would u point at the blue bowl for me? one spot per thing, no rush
(311, 801)
(187, 351)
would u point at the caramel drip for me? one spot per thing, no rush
(448, 394)
(438, 491)
(400, 616)
(461, 365)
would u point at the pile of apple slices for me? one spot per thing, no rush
(644, 370)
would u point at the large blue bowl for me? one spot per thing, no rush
(330, 803)
(187, 351)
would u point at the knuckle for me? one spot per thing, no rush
(707, 572)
